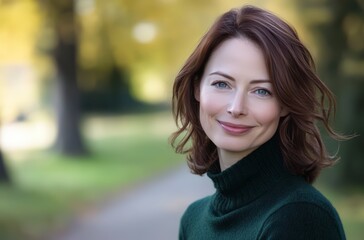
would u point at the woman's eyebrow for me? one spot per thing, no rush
(223, 75)
(233, 79)
(260, 81)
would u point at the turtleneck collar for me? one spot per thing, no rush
(247, 179)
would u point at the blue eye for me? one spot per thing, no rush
(262, 92)
(220, 85)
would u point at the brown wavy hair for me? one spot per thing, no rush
(296, 84)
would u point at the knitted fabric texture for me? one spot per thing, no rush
(257, 198)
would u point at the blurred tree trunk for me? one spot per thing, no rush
(4, 176)
(338, 27)
(69, 139)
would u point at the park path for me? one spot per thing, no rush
(152, 211)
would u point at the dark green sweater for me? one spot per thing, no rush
(257, 198)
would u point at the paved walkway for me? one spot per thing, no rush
(150, 212)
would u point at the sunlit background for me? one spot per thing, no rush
(85, 90)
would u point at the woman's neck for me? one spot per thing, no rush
(229, 158)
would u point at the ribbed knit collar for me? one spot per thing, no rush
(247, 179)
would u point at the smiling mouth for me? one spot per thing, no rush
(234, 128)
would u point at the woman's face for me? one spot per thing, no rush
(238, 107)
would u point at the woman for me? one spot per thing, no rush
(248, 100)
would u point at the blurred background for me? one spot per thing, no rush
(85, 89)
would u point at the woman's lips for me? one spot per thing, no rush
(234, 128)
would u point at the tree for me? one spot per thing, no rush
(4, 176)
(338, 27)
(69, 139)
(113, 21)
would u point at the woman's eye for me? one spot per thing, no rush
(262, 92)
(220, 85)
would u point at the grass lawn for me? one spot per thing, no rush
(49, 188)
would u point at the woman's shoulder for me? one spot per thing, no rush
(303, 220)
(196, 207)
(303, 213)
(304, 194)
(194, 212)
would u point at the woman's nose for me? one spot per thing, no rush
(237, 106)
